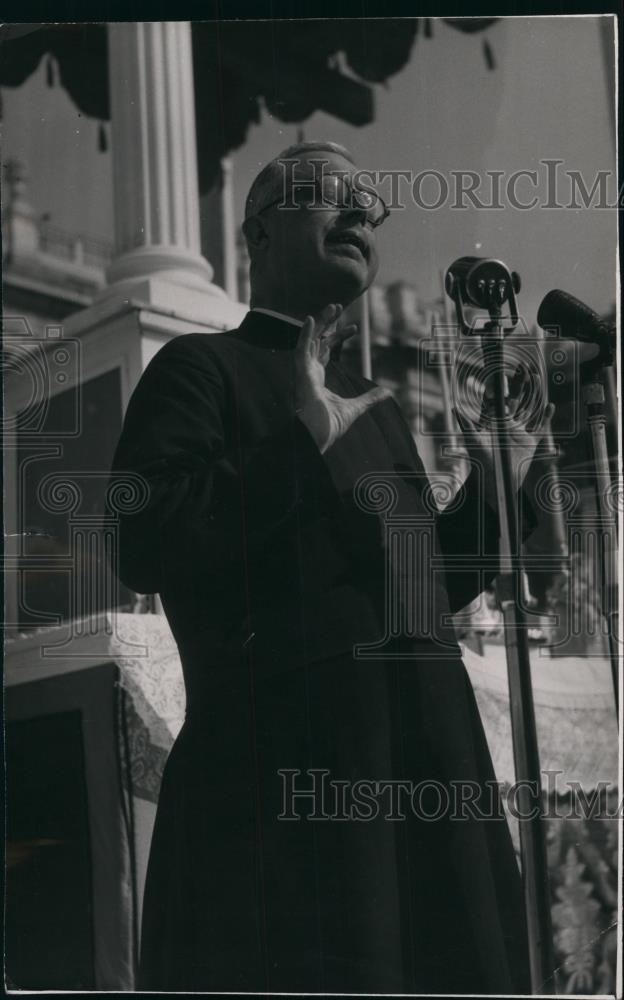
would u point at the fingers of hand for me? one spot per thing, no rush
(330, 312)
(331, 342)
(513, 402)
(539, 424)
(487, 408)
(515, 405)
(340, 335)
(517, 383)
(545, 423)
(519, 386)
(324, 326)
(327, 317)
(378, 395)
(304, 344)
(359, 404)
(314, 327)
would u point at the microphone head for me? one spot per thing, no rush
(481, 281)
(570, 314)
(576, 321)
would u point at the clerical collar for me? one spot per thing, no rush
(277, 315)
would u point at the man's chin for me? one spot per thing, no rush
(346, 282)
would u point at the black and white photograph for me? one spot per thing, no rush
(313, 503)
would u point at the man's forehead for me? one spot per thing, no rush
(315, 162)
(284, 171)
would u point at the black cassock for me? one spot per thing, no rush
(270, 571)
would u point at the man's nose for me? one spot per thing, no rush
(354, 213)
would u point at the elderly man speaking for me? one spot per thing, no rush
(283, 857)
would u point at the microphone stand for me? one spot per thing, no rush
(594, 398)
(523, 727)
(490, 287)
(561, 311)
(549, 461)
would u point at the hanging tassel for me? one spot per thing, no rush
(488, 55)
(102, 139)
(428, 32)
(50, 72)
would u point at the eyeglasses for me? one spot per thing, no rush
(335, 191)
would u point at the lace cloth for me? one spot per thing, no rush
(576, 722)
(150, 672)
(574, 713)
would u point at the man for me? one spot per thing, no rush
(270, 572)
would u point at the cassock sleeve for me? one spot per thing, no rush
(471, 530)
(181, 435)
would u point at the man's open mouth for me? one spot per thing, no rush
(349, 238)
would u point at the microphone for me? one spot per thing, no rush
(484, 283)
(576, 321)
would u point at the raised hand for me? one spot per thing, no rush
(325, 414)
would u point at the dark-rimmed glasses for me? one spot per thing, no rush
(333, 191)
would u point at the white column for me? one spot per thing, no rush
(154, 156)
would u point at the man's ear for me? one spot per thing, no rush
(255, 233)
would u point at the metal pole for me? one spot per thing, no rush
(549, 455)
(365, 344)
(461, 465)
(594, 399)
(550, 462)
(524, 732)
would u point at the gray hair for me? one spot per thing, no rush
(266, 184)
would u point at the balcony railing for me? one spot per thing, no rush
(75, 247)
